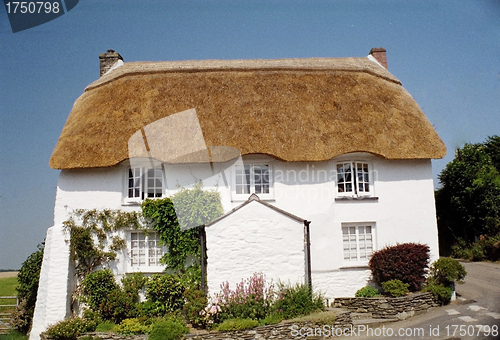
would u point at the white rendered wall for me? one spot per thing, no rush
(76, 189)
(251, 240)
(340, 282)
(404, 212)
(53, 300)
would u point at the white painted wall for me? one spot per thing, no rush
(404, 211)
(53, 300)
(255, 239)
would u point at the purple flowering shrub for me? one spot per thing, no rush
(251, 299)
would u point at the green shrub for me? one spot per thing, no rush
(272, 319)
(96, 286)
(118, 306)
(148, 309)
(406, 262)
(367, 291)
(486, 248)
(237, 324)
(196, 302)
(133, 283)
(132, 326)
(440, 293)
(491, 247)
(170, 329)
(395, 288)
(89, 314)
(106, 326)
(28, 278)
(459, 250)
(166, 291)
(70, 329)
(191, 277)
(446, 271)
(297, 300)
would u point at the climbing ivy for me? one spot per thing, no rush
(93, 241)
(90, 232)
(176, 220)
(97, 225)
(196, 207)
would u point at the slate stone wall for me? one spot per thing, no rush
(279, 331)
(388, 308)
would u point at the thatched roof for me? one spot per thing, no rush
(292, 109)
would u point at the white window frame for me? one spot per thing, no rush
(141, 183)
(148, 241)
(359, 184)
(252, 165)
(358, 257)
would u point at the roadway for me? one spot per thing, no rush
(474, 315)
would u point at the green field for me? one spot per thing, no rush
(8, 288)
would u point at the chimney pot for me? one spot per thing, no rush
(107, 60)
(379, 53)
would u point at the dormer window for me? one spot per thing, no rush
(353, 179)
(144, 183)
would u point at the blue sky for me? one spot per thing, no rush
(446, 54)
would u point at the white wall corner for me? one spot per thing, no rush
(54, 293)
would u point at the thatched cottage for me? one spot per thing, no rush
(319, 162)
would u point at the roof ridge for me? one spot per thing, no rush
(350, 64)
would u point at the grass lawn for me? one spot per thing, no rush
(13, 336)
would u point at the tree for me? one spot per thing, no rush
(468, 202)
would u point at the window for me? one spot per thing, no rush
(353, 179)
(357, 241)
(145, 250)
(144, 183)
(252, 179)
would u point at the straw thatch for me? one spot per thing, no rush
(293, 110)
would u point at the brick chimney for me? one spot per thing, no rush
(379, 54)
(107, 60)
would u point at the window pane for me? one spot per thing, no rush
(348, 187)
(357, 242)
(242, 179)
(344, 177)
(363, 177)
(145, 250)
(154, 183)
(134, 182)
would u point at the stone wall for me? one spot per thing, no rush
(388, 308)
(279, 331)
